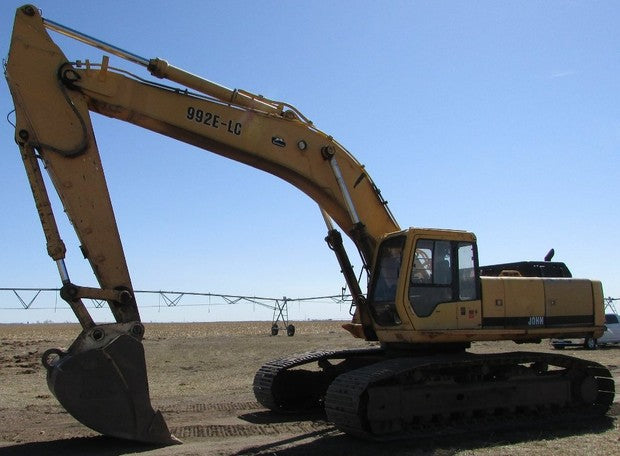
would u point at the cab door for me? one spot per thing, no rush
(443, 286)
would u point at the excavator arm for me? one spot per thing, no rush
(53, 97)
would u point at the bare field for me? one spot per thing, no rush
(200, 376)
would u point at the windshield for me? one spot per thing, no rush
(382, 296)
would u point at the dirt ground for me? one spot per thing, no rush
(200, 377)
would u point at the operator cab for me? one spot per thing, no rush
(422, 268)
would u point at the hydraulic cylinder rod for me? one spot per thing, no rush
(55, 245)
(87, 39)
(163, 70)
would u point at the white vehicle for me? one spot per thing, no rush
(611, 336)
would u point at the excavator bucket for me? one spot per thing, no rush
(101, 381)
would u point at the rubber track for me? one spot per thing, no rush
(346, 400)
(266, 376)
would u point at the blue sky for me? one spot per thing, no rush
(501, 118)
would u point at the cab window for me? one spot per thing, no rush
(443, 271)
(382, 296)
(467, 272)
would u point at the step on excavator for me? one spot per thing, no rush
(426, 300)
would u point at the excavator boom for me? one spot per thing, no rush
(53, 98)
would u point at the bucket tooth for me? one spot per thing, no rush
(101, 381)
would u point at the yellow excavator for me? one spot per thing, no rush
(426, 300)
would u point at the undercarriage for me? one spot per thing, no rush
(379, 394)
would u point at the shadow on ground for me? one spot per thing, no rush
(330, 442)
(98, 445)
(333, 443)
(268, 417)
